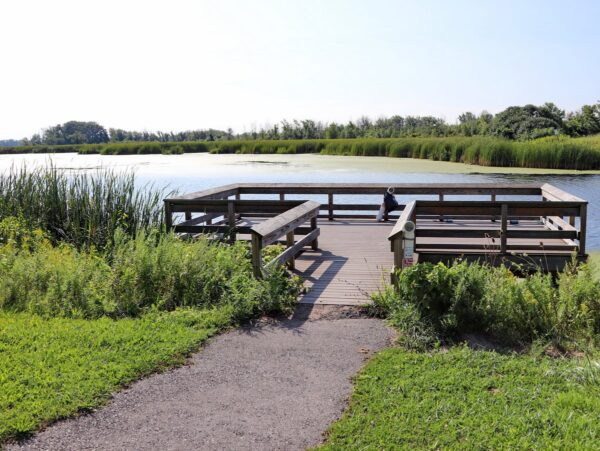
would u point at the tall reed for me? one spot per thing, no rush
(554, 152)
(79, 207)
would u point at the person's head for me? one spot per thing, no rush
(390, 190)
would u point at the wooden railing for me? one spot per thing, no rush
(329, 209)
(555, 206)
(219, 211)
(286, 223)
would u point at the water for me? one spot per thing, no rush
(194, 172)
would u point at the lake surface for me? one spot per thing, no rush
(193, 172)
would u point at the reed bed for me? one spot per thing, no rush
(84, 209)
(550, 153)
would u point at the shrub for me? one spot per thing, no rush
(465, 297)
(138, 275)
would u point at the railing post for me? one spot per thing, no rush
(256, 255)
(231, 219)
(493, 199)
(313, 226)
(281, 196)
(398, 258)
(168, 216)
(441, 199)
(582, 228)
(504, 229)
(290, 242)
(330, 205)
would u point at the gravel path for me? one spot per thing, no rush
(272, 386)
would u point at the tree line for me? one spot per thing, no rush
(515, 122)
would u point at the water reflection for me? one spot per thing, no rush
(193, 172)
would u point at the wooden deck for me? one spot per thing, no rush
(353, 261)
(344, 255)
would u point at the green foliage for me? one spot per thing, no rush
(527, 122)
(149, 272)
(80, 208)
(551, 152)
(54, 368)
(450, 301)
(464, 399)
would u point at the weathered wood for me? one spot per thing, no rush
(504, 231)
(485, 246)
(210, 229)
(560, 223)
(241, 206)
(582, 228)
(380, 188)
(168, 216)
(273, 228)
(446, 232)
(231, 219)
(516, 208)
(257, 245)
(468, 227)
(313, 226)
(291, 252)
(220, 192)
(534, 262)
(289, 238)
(200, 219)
(555, 192)
(407, 215)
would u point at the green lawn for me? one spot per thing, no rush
(53, 368)
(463, 399)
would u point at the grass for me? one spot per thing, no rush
(550, 153)
(434, 392)
(465, 399)
(53, 368)
(94, 294)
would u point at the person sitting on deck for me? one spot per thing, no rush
(389, 204)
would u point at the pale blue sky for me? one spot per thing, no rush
(175, 65)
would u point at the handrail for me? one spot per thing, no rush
(408, 214)
(269, 231)
(551, 192)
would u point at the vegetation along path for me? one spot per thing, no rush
(276, 385)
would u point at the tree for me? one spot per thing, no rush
(75, 132)
(584, 122)
(529, 121)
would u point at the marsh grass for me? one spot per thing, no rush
(81, 208)
(556, 152)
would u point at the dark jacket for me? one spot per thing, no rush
(390, 202)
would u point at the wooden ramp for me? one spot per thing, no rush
(353, 261)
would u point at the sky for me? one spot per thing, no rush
(181, 64)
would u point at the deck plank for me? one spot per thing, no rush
(353, 261)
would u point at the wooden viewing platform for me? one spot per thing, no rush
(344, 254)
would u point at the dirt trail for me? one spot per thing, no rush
(276, 385)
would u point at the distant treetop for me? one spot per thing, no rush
(515, 122)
